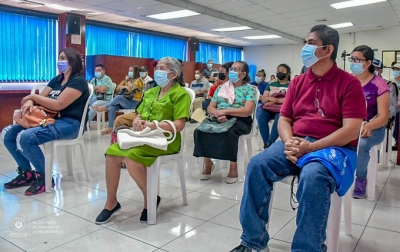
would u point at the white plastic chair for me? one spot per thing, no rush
(372, 170)
(153, 173)
(39, 87)
(335, 211)
(387, 148)
(243, 141)
(101, 116)
(50, 147)
(246, 140)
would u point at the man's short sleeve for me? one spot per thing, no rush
(206, 85)
(353, 102)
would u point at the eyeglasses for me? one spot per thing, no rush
(355, 60)
(235, 69)
(320, 112)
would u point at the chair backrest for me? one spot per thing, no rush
(39, 87)
(114, 86)
(192, 95)
(254, 112)
(84, 115)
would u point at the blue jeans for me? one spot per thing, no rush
(396, 127)
(23, 144)
(118, 102)
(94, 102)
(365, 145)
(263, 118)
(313, 194)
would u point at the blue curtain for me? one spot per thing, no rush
(27, 48)
(157, 47)
(208, 52)
(101, 40)
(230, 54)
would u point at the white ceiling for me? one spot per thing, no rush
(291, 19)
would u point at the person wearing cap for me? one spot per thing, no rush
(146, 79)
(396, 80)
(378, 67)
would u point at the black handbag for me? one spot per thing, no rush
(126, 94)
(99, 96)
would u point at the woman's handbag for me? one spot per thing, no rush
(275, 108)
(157, 138)
(211, 125)
(39, 116)
(126, 93)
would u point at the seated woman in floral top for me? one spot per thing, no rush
(235, 98)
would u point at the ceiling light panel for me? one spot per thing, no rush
(228, 29)
(355, 3)
(341, 25)
(173, 14)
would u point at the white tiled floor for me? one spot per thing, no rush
(64, 219)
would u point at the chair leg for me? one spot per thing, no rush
(201, 164)
(386, 146)
(48, 155)
(84, 161)
(153, 174)
(182, 178)
(88, 130)
(98, 115)
(333, 228)
(69, 160)
(371, 175)
(240, 159)
(347, 211)
(249, 144)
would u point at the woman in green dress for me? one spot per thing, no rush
(168, 101)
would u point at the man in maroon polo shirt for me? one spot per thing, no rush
(322, 114)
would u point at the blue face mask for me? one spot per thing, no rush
(258, 79)
(161, 78)
(233, 76)
(130, 74)
(97, 74)
(308, 55)
(209, 65)
(356, 68)
(396, 73)
(62, 66)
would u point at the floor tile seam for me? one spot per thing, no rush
(12, 243)
(287, 223)
(74, 239)
(182, 235)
